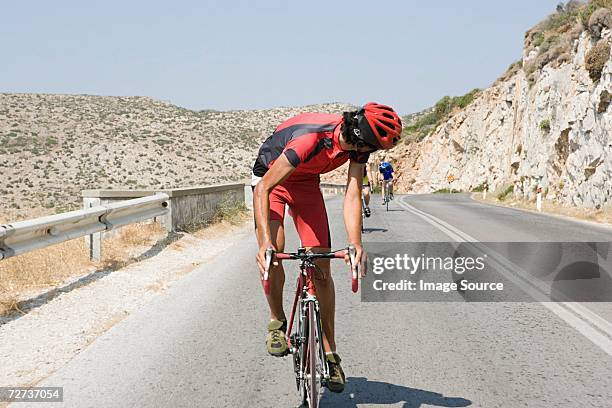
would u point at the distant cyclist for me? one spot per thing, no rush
(286, 172)
(386, 170)
(365, 190)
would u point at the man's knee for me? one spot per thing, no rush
(323, 276)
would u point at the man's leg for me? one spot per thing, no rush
(276, 342)
(326, 294)
(277, 273)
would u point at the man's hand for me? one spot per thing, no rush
(360, 260)
(261, 258)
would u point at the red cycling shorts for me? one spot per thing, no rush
(306, 207)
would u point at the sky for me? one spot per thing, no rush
(236, 54)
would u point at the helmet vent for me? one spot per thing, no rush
(388, 115)
(382, 132)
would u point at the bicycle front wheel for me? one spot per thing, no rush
(311, 378)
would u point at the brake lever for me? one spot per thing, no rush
(266, 282)
(352, 252)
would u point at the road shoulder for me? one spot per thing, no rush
(475, 197)
(37, 344)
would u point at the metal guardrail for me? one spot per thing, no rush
(332, 188)
(24, 236)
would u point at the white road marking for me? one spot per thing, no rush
(592, 326)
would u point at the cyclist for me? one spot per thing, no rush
(365, 190)
(386, 169)
(286, 172)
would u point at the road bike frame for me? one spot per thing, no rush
(306, 339)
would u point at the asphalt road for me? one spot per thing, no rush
(201, 343)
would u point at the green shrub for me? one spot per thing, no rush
(559, 19)
(545, 125)
(531, 80)
(530, 68)
(441, 110)
(596, 58)
(548, 43)
(465, 100)
(600, 19)
(505, 193)
(584, 14)
(555, 35)
(511, 70)
(538, 39)
(446, 191)
(479, 188)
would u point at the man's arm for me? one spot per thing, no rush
(352, 209)
(280, 170)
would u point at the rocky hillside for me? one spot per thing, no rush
(547, 117)
(54, 146)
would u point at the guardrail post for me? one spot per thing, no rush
(166, 219)
(3, 233)
(93, 241)
(248, 196)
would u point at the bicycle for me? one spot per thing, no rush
(306, 341)
(388, 196)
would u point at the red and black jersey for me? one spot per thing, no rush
(311, 143)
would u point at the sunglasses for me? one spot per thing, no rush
(361, 144)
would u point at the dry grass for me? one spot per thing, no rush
(229, 211)
(45, 268)
(26, 275)
(38, 269)
(603, 215)
(219, 228)
(13, 215)
(129, 242)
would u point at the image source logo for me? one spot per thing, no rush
(488, 272)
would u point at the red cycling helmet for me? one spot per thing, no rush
(379, 125)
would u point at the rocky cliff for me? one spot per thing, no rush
(548, 120)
